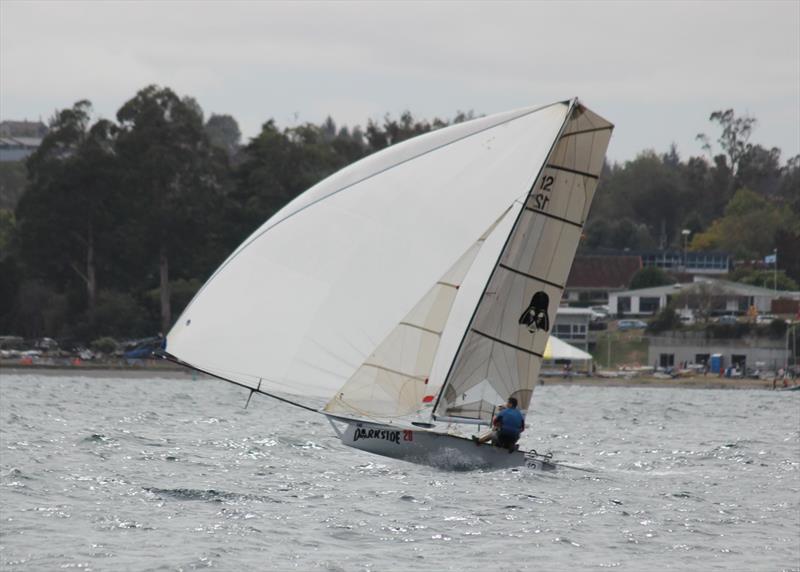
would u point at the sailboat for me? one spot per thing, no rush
(413, 291)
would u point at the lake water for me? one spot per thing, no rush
(127, 473)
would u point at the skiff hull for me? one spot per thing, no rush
(435, 449)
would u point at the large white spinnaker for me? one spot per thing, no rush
(305, 300)
(503, 343)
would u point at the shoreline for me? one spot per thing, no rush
(169, 371)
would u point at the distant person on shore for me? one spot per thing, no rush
(508, 424)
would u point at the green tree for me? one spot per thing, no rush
(171, 172)
(68, 208)
(650, 277)
(735, 136)
(748, 229)
(223, 133)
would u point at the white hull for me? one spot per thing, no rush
(435, 449)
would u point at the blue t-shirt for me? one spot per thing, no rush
(511, 421)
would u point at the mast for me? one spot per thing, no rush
(501, 350)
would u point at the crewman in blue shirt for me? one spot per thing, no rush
(508, 425)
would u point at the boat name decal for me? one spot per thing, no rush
(383, 434)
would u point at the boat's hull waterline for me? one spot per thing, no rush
(436, 449)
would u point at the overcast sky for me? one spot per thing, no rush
(654, 69)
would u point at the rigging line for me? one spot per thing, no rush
(555, 217)
(574, 171)
(171, 358)
(359, 181)
(505, 343)
(531, 276)
(572, 103)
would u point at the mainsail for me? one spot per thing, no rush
(304, 302)
(503, 344)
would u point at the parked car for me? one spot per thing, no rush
(631, 325)
(727, 320)
(766, 319)
(599, 312)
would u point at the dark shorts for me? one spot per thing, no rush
(505, 439)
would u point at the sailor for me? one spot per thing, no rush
(508, 424)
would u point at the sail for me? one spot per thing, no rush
(502, 346)
(393, 381)
(307, 298)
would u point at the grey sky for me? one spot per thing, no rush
(655, 69)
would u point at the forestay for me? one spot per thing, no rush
(503, 344)
(305, 300)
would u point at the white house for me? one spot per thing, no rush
(721, 296)
(572, 326)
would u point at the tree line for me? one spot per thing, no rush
(122, 220)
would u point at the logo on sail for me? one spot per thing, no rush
(535, 316)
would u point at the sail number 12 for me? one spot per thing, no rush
(540, 199)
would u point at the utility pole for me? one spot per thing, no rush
(685, 232)
(775, 268)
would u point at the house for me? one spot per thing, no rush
(705, 263)
(593, 278)
(713, 297)
(669, 349)
(572, 326)
(19, 139)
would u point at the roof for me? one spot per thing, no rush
(730, 288)
(25, 128)
(611, 272)
(567, 311)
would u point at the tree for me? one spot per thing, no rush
(68, 207)
(223, 133)
(171, 172)
(734, 138)
(650, 277)
(748, 229)
(763, 278)
(647, 191)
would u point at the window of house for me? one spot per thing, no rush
(649, 305)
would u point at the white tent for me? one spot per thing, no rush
(558, 349)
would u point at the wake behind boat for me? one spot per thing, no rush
(414, 289)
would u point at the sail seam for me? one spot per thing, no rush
(531, 276)
(505, 343)
(556, 217)
(376, 366)
(424, 329)
(575, 171)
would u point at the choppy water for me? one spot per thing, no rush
(173, 474)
